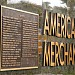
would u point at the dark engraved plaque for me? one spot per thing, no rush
(19, 39)
(11, 36)
(29, 46)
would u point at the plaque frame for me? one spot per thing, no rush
(20, 68)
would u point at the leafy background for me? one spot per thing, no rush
(27, 6)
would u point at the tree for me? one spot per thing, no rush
(3, 2)
(64, 1)
(70, 7)
(46, 6)
(61, 10)
(69, 3)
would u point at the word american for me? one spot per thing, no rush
(58, 53)
(59, 25)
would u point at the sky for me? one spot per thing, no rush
(39, 2)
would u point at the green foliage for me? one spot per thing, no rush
(60, 10)
(3, 2)
(27, 7)
(64, 1)
(70, 4)
(46, 5)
